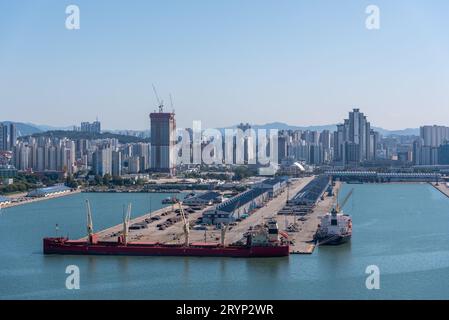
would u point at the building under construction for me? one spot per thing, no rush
(163, 140)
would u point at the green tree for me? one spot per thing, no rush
(71, 183)
(107, 179)
(118, 181)
(98, 180)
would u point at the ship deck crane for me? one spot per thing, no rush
(91, 237)
(126, 222)
(224, 228)
(339, 207)
(186, 226)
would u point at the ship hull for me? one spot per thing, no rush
(335, 240)
(56, 246)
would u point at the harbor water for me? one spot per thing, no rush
(403, 229)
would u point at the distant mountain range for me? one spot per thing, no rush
(24, 129)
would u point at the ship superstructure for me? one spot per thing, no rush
(335, 227)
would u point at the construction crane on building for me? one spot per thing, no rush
(159, 101)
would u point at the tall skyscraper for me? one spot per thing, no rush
(163, 140)
(3, 137)
(354, 140)
(116, 163)
(282, 146)
(12, 136)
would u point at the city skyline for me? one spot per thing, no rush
(270, 124)
(320, 61)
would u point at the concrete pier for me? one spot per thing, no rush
(20, 199)
(303, 240)
(442, 188)
(174, 233)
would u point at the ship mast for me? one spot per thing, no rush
(186, 224)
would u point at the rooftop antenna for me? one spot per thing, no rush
(159, 101)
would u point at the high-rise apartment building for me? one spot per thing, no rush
(134, 165)
(94, 127)
(163, 141)
(4, 146)
(102, 161)
(142, 150)
(116, 163)
(426, 149)
(12, 136)
(354, 140)
(434, 136)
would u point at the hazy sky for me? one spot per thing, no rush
(225, 61)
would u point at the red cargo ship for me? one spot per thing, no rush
(65, 246)
(262, 241)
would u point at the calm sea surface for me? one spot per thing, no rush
(401, 228)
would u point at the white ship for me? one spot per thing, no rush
(335, 227)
